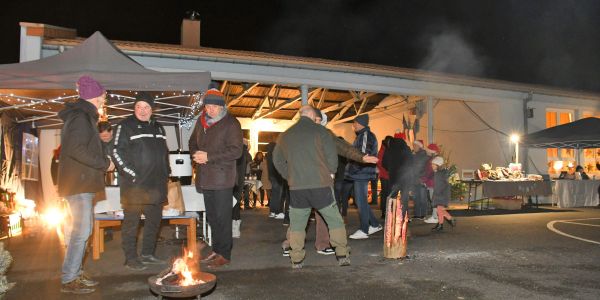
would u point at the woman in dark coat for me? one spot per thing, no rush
(441, 193)
(398, 161)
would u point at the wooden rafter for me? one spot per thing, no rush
(286, 104)
(346, 103)
(375, 110)
(322, 98)
(263, 101)
(239, 97)
(349, 103)
(311, 96)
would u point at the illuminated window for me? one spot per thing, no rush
(592, 155)
(555, 117)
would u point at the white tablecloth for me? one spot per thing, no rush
(192, 200)
(576, 193)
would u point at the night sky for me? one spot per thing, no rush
(550, 42)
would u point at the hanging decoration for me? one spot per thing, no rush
(196, 107)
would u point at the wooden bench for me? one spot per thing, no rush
(102, 221)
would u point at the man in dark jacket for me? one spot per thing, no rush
(306, 157)
(361, 174)
(216, 144)
(419, 189)
(80, 176)
(140, 150)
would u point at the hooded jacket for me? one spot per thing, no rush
(141, 154)
(366, 143)
(82, 161)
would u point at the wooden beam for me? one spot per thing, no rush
(262, 102)
(311, 96)
(286, 104)
(239, 97)
(223, 86)
(345, 103)
(362, 96)
(375, 110)
(322, 98)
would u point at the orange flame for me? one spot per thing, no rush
(180, 266)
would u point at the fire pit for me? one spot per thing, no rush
(182, 280)
(179, 291)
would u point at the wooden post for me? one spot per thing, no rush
(396, 228)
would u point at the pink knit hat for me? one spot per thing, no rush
(89, 88)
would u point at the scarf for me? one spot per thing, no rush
(208, 122)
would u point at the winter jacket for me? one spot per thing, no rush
(383, 173)
(306, 156)
(82, 162)
(397, 159)
(142, 157)
(441, 189)
(427, 178)
(420, 160)
(264, 168)
(365, 142)
(240, 167)
(274, 175)
(223, 144)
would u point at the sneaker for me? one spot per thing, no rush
(279, 216)
(135, 265)
(87, 281)
(359, 235)
(235, 228)
(298, 265)
(431, 220)
(375, 229)
(343, 261)
(151, 260)
(272, 215)
(76, 287)
(286, 251)
(286, 222)
(326, 251)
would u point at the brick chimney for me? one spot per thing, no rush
(190, 30)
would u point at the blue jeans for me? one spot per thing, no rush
(81, 214)
(366, 214)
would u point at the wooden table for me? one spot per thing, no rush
(102, 221)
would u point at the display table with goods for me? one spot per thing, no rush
(575, 193)
(503, 182)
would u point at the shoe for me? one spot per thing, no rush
(135, 265)
(286, 222)
(235, 228)
(452, 222)
(76, 287)
(359, 235)
(218, 262)
(286, 251)
(272, 215)
(279, 216)
(298, 265)
(326, 251)
(419, 218)
(151, 260)
(343, 261)
(209, 258)
(431, 220)
(87, 281)
(375, 229)
(438, 227)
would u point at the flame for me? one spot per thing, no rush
(53, 217)
(180, 266)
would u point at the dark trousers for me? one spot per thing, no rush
(385, 192)
(129, 228)
(374, 191)
(346, 191)
(237, 193)
(218, 215)
(420, 197)
(276, 194)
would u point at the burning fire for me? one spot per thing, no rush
(182, 269)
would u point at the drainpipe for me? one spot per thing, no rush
(524, 148)
(304, 91)
(429, 119)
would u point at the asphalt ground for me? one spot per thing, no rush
(544, 253)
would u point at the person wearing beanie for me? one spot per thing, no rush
(432, 150)
(419, 188)
(215, 145)
(141, 152)
(80, 176)
(361, 174)
(441, 193)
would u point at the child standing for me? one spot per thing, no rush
(441, 193)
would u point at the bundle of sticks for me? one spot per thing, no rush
(396, 227)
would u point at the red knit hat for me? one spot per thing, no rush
(433, 148)
(400, 135)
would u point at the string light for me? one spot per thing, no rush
(187, 120)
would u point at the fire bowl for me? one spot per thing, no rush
(177, 291)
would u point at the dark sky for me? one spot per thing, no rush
(551, 42)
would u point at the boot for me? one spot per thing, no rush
(438, 227)
(452, 222)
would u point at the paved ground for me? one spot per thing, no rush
(489, 255)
